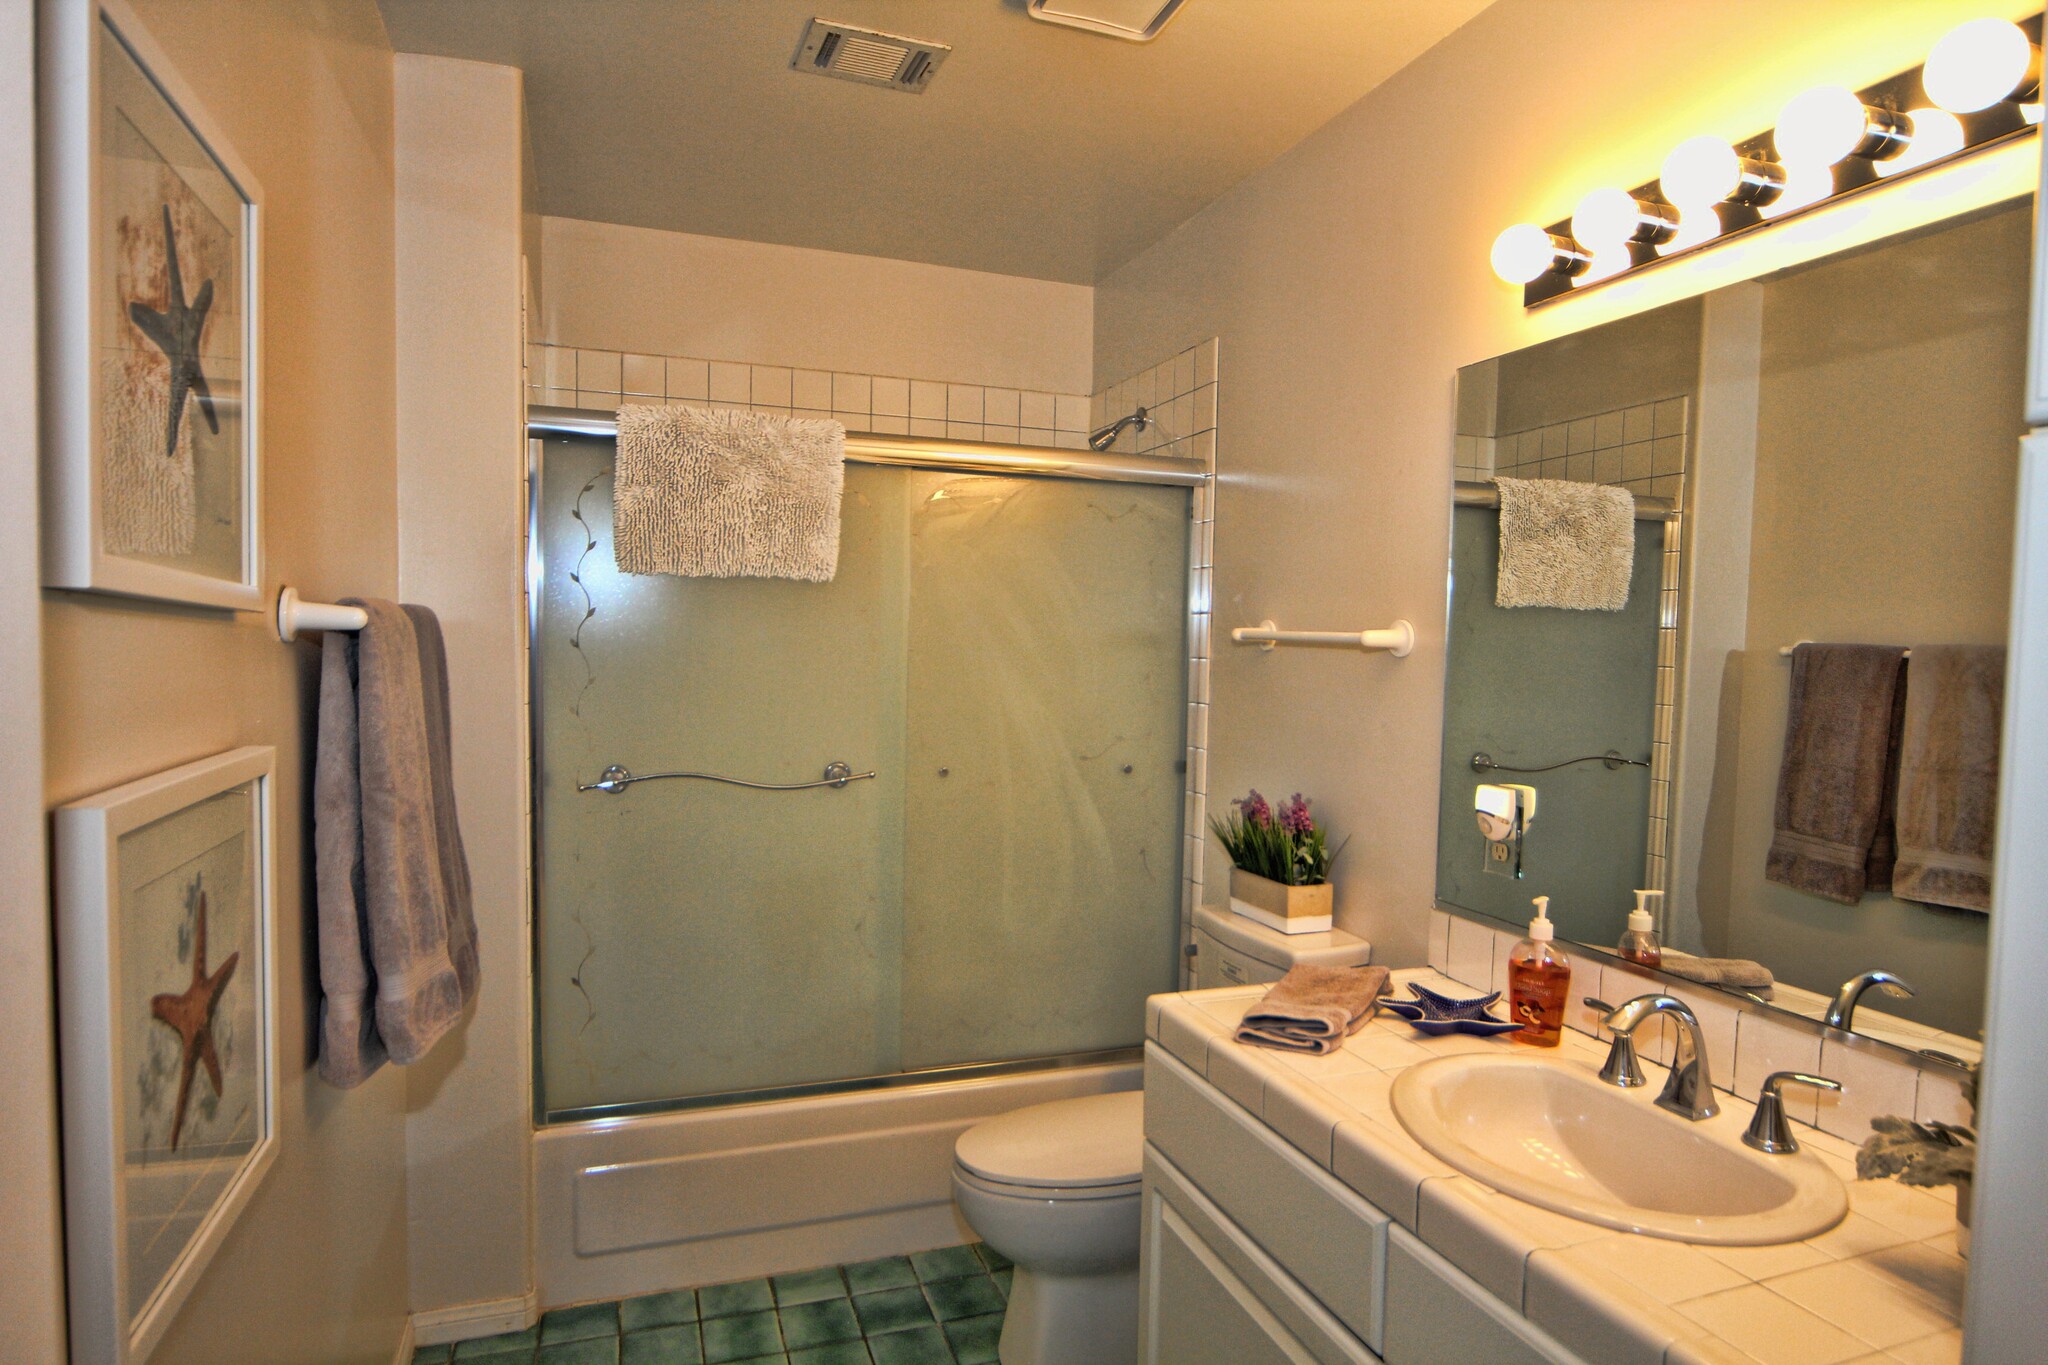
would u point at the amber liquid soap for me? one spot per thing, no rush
(1539, 983)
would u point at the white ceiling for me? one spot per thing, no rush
(1036, 150)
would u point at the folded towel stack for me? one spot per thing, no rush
(1314, 1009)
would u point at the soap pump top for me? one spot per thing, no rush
(1639, 944)
(1541, 930)
(1639, 919)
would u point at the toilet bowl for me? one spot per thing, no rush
(1055, 1187)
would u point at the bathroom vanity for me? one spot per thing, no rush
(1289, 1216)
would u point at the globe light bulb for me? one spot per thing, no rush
(1699, 172)
(1936, 134)
(1606, 218)
(1524, 253)
(1606, 263)
(1978, 64)
(1819, 127)
(1698, 224)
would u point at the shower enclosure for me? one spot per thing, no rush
(1005, 653)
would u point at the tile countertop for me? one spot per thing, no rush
(1884, 1287)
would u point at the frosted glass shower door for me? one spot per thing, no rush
(696, 938)
(1008, 654)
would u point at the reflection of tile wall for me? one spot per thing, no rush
(1180, 393)
(1643, 449)
(568, 377)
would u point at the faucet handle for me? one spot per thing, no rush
(1770, 1131)
(1623, 1067)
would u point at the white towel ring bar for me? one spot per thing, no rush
(294, 614)
(1397, 639)
(1785, 651)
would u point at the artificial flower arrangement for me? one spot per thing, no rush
(1280, 863)
(1926, 1154)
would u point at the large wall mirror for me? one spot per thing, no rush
(1822, 466)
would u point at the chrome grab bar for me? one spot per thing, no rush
(617, 778)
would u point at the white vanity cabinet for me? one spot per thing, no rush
(1252, 1253)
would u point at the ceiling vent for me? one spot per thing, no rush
(861, 54)
(1139, 21)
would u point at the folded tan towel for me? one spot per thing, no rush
(1832, 832)
(1565, 544)
(1314, 1009)
(1738, 972)
(719, 493)
(1948, 775)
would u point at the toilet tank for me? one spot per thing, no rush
(1231, 950)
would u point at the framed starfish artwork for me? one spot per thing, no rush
(167, 1037)
(151, 333)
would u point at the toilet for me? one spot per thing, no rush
(1055, 1187)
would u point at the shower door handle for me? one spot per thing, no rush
(616, 778)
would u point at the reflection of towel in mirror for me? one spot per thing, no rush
(1832, 830)
(1948, 774)
(1314, 1009)
(1736, 972)
(1565, 544)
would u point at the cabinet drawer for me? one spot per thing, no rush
(1330, 1240)
(1438, 1313)
(1211, 1297)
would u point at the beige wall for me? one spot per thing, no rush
(1886, 464)
(672, 293)
(461, 472)
(316, 1268)
(1348, 282)
(31, 1233)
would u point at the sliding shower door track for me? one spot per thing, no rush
(937, 1075)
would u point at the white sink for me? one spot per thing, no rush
(1548, 1131)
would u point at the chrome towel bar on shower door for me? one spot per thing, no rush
(617, 778)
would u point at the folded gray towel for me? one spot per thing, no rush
(719, 493)
(1832, 831)
(1948, 775)
(397, 936)
(1565, 544)
(1314, 1009)
(1738, 972)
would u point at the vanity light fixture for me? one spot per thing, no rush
(1980, 86)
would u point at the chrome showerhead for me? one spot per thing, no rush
(1105, 437)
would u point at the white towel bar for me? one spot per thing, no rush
(295, 615)
(1396, 639)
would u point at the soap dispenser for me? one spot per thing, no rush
(1639, 944)
(1539, 982)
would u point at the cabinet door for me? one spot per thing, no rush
(1436, 1313)
(1197, 1311)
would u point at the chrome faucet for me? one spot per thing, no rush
(1690, 1091)
(1769, 1131)
(1844, 1007)
(1623, 1068)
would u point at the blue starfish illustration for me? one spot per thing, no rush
(176, 331)
(1438, 1014)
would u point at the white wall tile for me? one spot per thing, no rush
(1440, 940)
(1873, 1083)
(1070, 412)
(731, 383)
(1000, 435)
(811, 389)
(963, 431)
(852, 393)
(1036, 410)
(927, 400)
(642, 374)
(558, 367)
(964, 403)
(1205, 362)
(1941, 1100)
(1037, 436)
(688, 379)
(770, 387)
(1471, 954)
(891, 397)
(598, 371)
(927, 426)
(1184, 372)
(1765, 1044)
(884, 425)
(1000, 407)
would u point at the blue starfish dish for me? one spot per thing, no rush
(1439, 1014)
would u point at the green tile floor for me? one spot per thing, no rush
(941, 1307)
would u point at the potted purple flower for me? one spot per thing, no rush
(1280, 864)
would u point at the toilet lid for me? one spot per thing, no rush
(1094, 1140)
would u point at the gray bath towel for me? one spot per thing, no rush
(1738, 972)
(1948, 775)
(1832, 833)
(719, 493)
(1314, 1009)
(1565, 544)
(397, 934)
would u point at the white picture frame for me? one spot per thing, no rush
(177, 518)
(169, 1095)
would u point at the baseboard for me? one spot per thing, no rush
(403, 1355)
(466, 1320)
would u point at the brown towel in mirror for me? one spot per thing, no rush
(1832, 832)
(1948, 775)
(1314, 1009)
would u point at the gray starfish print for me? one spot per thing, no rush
(176, 332)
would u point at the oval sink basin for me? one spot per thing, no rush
(1545, 1131)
